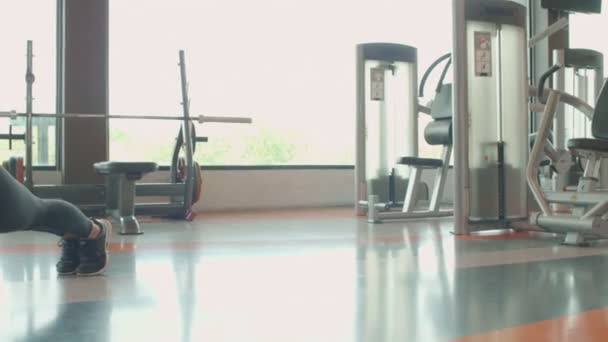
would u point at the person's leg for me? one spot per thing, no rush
(18, 206)
(84, 240)
(63, 219)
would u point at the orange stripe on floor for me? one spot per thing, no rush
(586, 326)
(27, 248)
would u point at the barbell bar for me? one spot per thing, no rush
(199, 118)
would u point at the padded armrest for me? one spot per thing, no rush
(427, 163)
(127, 168)
(585, 144)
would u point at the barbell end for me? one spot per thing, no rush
(220, 119)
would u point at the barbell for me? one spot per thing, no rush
(200, 118)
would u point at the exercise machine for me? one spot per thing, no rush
(387, 165)
(491, 127)
(490, 114)
(117, 196)
(581, 75)
(588, 205)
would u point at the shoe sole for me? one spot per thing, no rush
(108, 231)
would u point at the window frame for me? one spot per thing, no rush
(59, 67)
(58, 98)
(59, 44)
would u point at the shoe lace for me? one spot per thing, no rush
(68, 247)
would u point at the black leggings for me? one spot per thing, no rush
(20, 210)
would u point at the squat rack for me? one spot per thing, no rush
(97, 191)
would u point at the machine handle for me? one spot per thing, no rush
(430, 69)
(543, 79)
(224, 119)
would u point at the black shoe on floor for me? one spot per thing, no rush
(94, 254)
(70, 259)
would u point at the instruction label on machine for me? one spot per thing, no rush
(377, 84)
(483, 54)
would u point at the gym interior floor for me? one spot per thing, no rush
(307, 275)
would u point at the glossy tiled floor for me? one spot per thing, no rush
(310, 275)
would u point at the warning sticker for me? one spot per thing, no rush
(483, 54)
(377, 84)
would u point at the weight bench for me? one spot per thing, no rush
(120, 191)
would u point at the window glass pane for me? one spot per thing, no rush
(288, 64)
(584, 30)
(21, 21)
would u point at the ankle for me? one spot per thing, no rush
(95, 231)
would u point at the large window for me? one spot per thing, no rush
(289, 64)
(586, 31)
(21, 21)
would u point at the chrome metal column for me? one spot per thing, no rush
(460, 120)
(360, 136)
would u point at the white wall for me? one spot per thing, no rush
(276, 189)
(263, 189)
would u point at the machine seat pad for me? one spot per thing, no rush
(427, 163)
(128, 168)
(597, 145)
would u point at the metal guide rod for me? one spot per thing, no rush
(501, 141)
(499, 99)
(29, 100)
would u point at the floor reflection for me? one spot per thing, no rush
(404, 285)
(398, 282)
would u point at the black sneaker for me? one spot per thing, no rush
(94, 254)
(70, 259)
